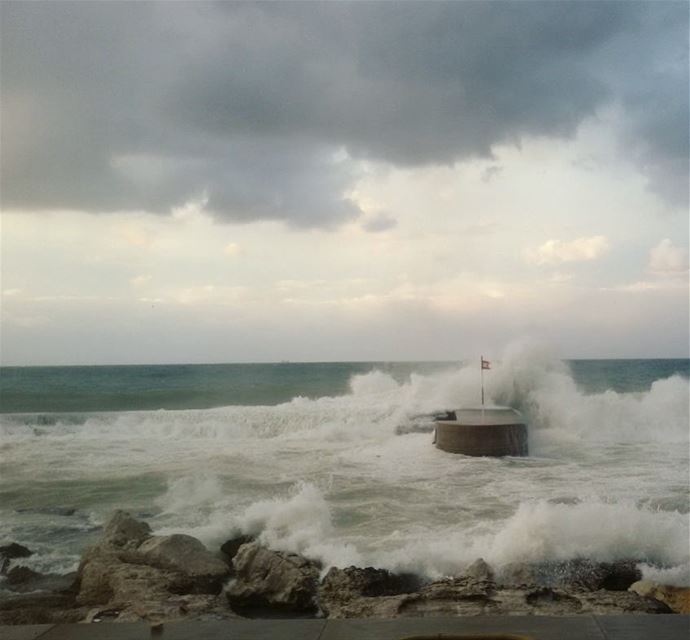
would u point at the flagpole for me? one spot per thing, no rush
(481, 368)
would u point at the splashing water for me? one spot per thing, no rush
(331, 478)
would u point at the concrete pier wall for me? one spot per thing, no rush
(490, 433)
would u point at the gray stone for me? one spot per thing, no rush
(272, 579)
(232, 546)
(122, 531)
(188, 556)
(355, 592)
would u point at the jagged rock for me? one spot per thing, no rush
(676, 598)
(452, 596)
(122, 531)
(188, 556)
(21, 575)
(479, 570)
(107, 580)
(342, 589)
(616, 602)
(232, 546)
(41, 608)
(572, 574)
(272, 579)
(160, 611)
(14, 550)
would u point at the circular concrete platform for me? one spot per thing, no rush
(497, 431)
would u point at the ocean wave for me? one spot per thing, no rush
(538, 531)
(528, 377)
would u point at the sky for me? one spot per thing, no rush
(329, 181)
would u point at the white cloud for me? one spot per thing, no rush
(140, 280)
(231, 249)
(668, 260)
(559, 251)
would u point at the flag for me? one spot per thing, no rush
(486, 364)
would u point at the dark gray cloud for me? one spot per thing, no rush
(117, 106)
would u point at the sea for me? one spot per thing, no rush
(335, 460)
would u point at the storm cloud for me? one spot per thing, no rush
(263, 110)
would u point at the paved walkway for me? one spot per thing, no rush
(626, 627)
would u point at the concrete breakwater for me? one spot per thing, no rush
(494, 431)
(132, 575)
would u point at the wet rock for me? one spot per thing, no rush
(273, 580)
(14, 550)
(198, 607)
(188, 556)
(479, 570)
(122, 531)
(21, 575)
(676, 598)
(572, 574)
(50, 511)
(232, 546)
(617, 602)
(45, 608)
(341, 590)
(452, 596)
(618, 576)
(24, 580)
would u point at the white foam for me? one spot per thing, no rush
(374, 497)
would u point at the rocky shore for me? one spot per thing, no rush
(132, 575)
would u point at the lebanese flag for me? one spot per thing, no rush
(486, 364)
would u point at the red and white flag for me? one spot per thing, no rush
(486, 364)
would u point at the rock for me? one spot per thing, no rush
(188, 556)
(122, 531)
(676, 598)
(479, 570)
(105, 579)
(341, 590)
(617, 602)
(43, 608)
(232, 546)
(451, 597)
(24, 580)
(21, 575)
(50, 511)
(618, 576)
(572, 574)
(14, 550)
(273, 579)
(156, 612)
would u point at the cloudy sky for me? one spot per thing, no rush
(214, 182)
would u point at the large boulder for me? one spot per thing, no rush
(676, 598)
(122, 531)
(8, 552)
(267, 579)
(14, 550)
(130, 574)
(107, 580)
(188, 556)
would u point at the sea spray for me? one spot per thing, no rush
(330, 477)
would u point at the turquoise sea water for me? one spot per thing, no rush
(332, 460)
(146, 387)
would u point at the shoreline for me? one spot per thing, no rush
(131, 575)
